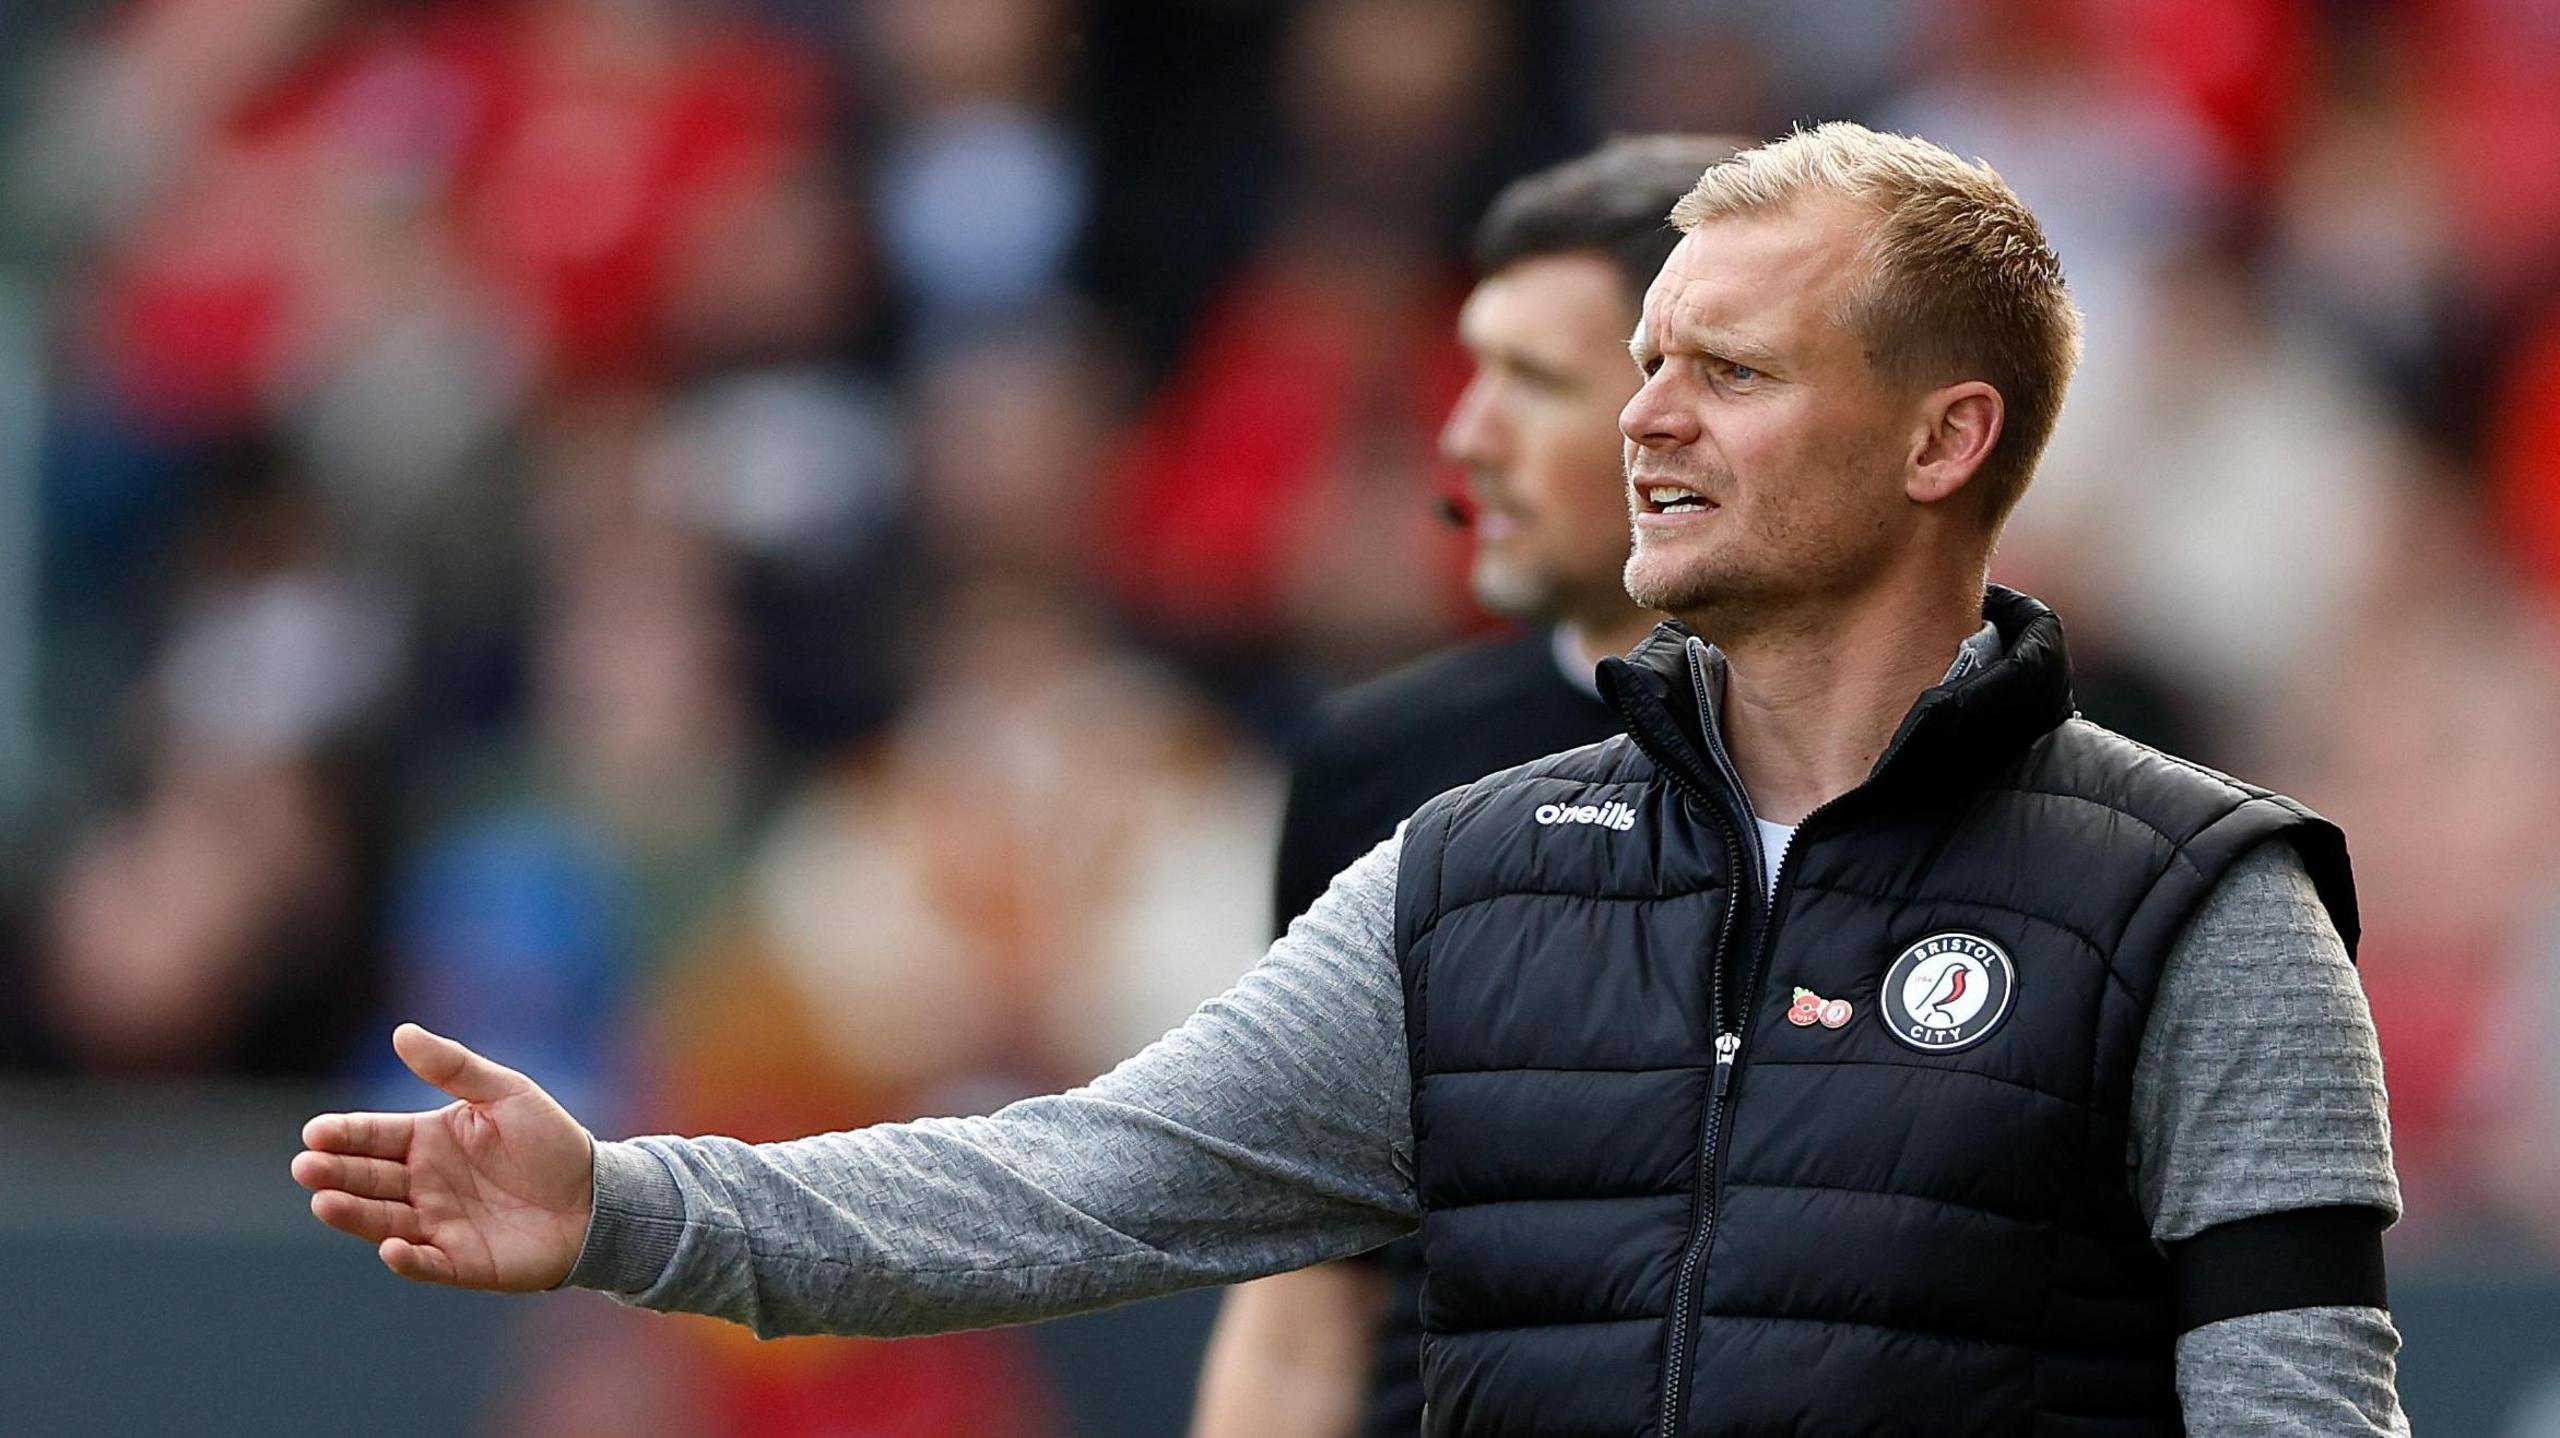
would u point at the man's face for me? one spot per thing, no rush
(1764, 457)
(1537, 434)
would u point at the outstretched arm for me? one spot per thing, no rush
(1268, 1132)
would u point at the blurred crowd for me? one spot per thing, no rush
(759, 560)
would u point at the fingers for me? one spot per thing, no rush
(349, 1173)
(368, 1218)
(416, 1260)
(375, 1135)
(453, 1068)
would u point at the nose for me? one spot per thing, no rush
(1472, 438)
(1655, 418)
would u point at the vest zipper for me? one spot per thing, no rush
(1729, 1036)
(1728, 1025)
(1678, 1355)
(1675, 1361)
(1704, 1208)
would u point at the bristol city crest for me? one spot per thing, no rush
(1948, 992)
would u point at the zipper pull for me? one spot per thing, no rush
(1727, 1047)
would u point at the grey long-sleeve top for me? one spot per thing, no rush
(1271, 1131)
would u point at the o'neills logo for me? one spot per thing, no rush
(1948, 992)
(1612, 815)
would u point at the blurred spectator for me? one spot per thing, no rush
(790, 458)
(983, 187)
(1278, 498)
(2244, 500)
(621, 127)
(221, 920)
(561, 858)
(309, 194)
(2240, 70)
(216, 927)
(1049, 860)
(513, 929)
(2485, 67)
(2362, 249)
(1019, 496)
(1743, 66)
(1024, 878)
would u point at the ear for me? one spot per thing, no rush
(1958, 426)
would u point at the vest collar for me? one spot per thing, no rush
(1956, 733)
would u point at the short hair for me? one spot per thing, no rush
(1614, 202)
(1957, 280)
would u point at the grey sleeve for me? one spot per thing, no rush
(2258, 1090)
(2324, 1371)
(1269, 1131)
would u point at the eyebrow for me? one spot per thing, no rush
(1722, 342)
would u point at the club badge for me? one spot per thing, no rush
(1948, 992)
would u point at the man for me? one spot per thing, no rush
(1565, 256)
(1649, 1038)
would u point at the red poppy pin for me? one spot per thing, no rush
(1811, 1008)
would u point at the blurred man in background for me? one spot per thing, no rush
(1566, 255)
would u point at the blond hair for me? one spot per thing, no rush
(1958, 282)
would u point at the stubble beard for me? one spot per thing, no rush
(1722, 596)
(1699, 589)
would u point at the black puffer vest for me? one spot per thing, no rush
(1848, 1162)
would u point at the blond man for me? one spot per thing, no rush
(1861, 1043)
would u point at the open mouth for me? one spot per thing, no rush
(1660, 497)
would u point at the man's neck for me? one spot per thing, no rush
(1809, 709)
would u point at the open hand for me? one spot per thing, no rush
(490, 1191)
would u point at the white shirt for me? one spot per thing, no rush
(1774, 839)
